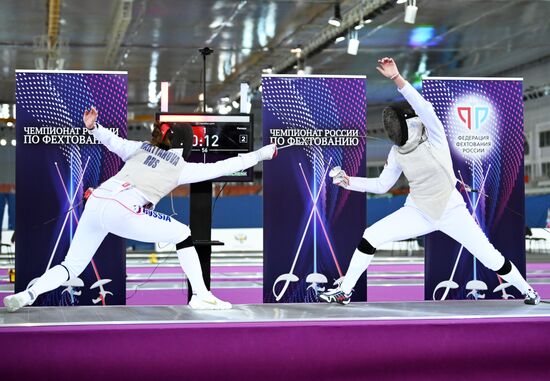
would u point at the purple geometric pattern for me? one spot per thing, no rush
(311, 103)
(500, 209)
(59, 99)
(317, 103)
(504, 125)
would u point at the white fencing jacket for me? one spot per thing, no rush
(425, 160)
(155, 172)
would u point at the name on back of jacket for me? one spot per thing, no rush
(170, 157)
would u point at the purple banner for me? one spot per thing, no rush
(311, 227)
(483, 120)
(57, 160)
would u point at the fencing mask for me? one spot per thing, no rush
(174, 136)
(182, 137)
(394, 119)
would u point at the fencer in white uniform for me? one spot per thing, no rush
(123, 205)
(422, 153)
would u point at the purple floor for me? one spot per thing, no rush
(505, 349)
(392, 273)
(450, 349)
(177, 270)
(253, 295)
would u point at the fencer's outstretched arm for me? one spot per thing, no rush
(382, 184)
(424, 109)
(197, 172)
(122, 147)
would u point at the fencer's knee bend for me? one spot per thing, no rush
(365, 247)
(188, 242)
(68, 272)
(184, 231)
(506, 268)
(73, 269)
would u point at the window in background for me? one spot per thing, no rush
(544, 139)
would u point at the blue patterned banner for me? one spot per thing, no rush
(483, 120)
(311, 227)
(57, 160)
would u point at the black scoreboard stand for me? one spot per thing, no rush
(200, 211)
(200, 221)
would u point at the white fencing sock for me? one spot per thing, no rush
(359, 263)
(50, 280)
(189, 261)
(514, 277)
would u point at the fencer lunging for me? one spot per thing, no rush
(422, 153)
(122, 205)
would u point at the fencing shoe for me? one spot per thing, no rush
(208, 302)
(335, 295)
(17, 301)
(532, 297)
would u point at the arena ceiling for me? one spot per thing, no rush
(159, 40)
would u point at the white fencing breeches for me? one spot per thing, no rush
(121, 215)
(456, 222)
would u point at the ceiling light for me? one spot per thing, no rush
(225, 99)
(224, 109)
(362, 23)
(3, 142)
(296, 50)
(235, 104)
(401, 1)
(410, 12)
(13, 142)
(336, 20)
(268, 70)
(353, 45)
(340, 39)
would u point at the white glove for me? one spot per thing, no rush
(339, 177)
(267, 152)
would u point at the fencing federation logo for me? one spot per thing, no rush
(473, 117)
